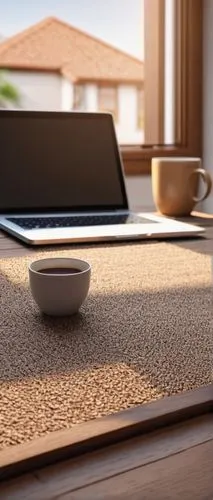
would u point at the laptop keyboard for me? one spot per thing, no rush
(76, 221)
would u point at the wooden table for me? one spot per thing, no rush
(159, 450)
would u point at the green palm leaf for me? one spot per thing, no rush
(8, 92)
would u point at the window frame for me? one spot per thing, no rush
(188, 89)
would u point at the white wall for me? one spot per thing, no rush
(127, 116)
(67, 95)
(208, 96)
(40, 91)
(139, 192)
(91, 97)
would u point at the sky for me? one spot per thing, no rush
(118, 22)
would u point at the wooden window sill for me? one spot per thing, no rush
(137, 159)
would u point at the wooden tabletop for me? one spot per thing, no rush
(172, 462)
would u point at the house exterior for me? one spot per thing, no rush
(58, 67)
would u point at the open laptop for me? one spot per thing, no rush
(62, 181)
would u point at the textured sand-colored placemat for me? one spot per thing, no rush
(144, 332)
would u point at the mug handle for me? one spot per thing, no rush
(208, 181)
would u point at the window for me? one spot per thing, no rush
(186, 17)
(92, 46)
(107, 100)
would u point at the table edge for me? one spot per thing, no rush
(102, 432)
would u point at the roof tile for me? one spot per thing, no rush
(53, 45)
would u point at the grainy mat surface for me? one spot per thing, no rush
(143, 333)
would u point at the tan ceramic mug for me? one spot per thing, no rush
(175, 183)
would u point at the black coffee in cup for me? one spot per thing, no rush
(59, 285)
(60, 270)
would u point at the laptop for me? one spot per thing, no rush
(62, 181)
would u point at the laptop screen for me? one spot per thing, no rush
(59, 161)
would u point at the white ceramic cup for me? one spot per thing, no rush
(59, 292)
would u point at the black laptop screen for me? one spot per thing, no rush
(58, 161)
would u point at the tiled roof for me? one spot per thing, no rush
(53, 45)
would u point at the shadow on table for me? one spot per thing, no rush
(164, 337)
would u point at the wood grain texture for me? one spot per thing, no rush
(12, 247)
(186, 475)
(85, 474)
(127, 456)
(105, 431)
(188, 88)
